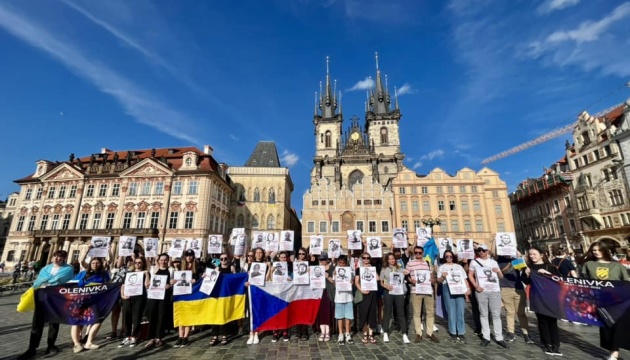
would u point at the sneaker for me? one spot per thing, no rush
(304, 337)
(555, 350)
(510, 337)
(250, 340)
(125, 342)
(406, 339)
(77, 349)
(379, 329)
(28, 354)
(434, 338)
(256, 339)
(385, 337)
(461, 338)
(612, 358)
(485, 342)
(435, 328)
(528, 339)
(178, 343)
(184, 343)
(349, 339)
(341, 340)
(285, 337)
(132, 342)
(275, 338)
(548, 350)
(454, 338)
(502, 344)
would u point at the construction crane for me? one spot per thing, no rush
(552, 134)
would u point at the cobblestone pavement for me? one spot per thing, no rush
(578, 342)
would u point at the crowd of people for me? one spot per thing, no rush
(485, 285)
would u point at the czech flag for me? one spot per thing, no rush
(281, 306)
(225, 303)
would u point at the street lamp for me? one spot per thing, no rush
(430, 222)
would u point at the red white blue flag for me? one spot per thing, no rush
(281, 306)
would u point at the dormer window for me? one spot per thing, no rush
(188, 162)
(585, 138)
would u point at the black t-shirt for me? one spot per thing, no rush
(564, 266)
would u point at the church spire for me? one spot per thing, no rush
(328, 100)
(379, 99)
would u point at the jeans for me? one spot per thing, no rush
(490, 303)
(455, 305)
(392, 301)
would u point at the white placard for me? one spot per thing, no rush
(368, 278)
(456, 281)
(134, 283)
(506, 244)
(272, 241)
(157, 287)
(423, 282)
(399, 239)
(177, 248)
(334, 248)
(318, 277)
(234, 235)
(465, 249)
(355, 242)
(240, 246)
(343, 278)
(423, 234)
(374, 246)
(257, 274)
(287, 240)
(280, 272)
(487, 279)
(194, 245)
(126, 244)
(396, 282)
(445, 244)
(316, 245)
(209, 280)
(100, 247)
(258, 240)
(215, 244)
(150, 247)
(300, 273)
(183, 284)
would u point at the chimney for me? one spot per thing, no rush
(105, 150)
(207, 149)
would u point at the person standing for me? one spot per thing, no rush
(56, 273)
(158, 311)
(454, 303)
(367, 308)
(222, 330)
(133, 306)
(514, 299)
(418, 300)
(483, 271)
(391, 301)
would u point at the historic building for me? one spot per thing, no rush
(263, 193)
(545, 212)
(7, 210)
(352, 169)
(469, 204)
(166, 193)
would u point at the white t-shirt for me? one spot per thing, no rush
(479, 265)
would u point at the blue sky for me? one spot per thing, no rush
(477, 77)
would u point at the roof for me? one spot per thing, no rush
(264, 155)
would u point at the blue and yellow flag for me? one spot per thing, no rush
(225, 303)
(431, 251)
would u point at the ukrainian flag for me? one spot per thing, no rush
(225, 303)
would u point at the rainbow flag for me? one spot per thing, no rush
(225, 303)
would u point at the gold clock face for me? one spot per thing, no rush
(354, 136)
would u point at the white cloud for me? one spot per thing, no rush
(591, 30)
(364, 84)
(553, 5)
(136, 101)
(417, 165)
(233, 137)
(433, 154)
(288, 158)
(405, 89)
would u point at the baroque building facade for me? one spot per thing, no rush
(7, 211)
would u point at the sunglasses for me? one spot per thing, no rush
(138, 262)
(418, 252)
(366, 258)
(223, 259)
(250, 255)
(301, 253)
(448, 257)
(481, 250)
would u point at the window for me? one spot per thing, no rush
(11, 256)
(90, 191)
(44, 222)
(439, 190)
(467, 226)
(479, 225)
(102, 190)
(55, 222)
(189, 219)
(403, 206)
(402, 190)
(360, 225)
(414, 189)
(405, 225)
(73, 191)
(441, 205)
(20, 223)
(462, 189)
(328, 140)
(314, 202)
(323, 227)
(310, 226)
(172, 221)
(83, 221)
(572, 225)
(133, 189)
(384, 226)
(377, 202)
(451, 189)
(464, 205)
(332, 202)
(51, 192)
(96, 221)
(416, 224)
(146, 188)
(155, 218)
(27, 195)
(335, 226)
(424, 189)
(256, 194)
(192, 187)
(66, 222)
(476, 206)
(365, 202)
(426, 205)
(500, 227)
(358, 201)
(495, 194)
(498, 211)
(561, 228)
(415, 206)
(31, 223)
(255, 222)
(454, 225)
(159, 188)
(548, 208)
(62, 192)
(127, 220)
(75, 255)
(473, 188)
(451, 205)
(116, 190)
(271, 222)
(272, 197)
(140, 221)
(384, 135)
(177, 188)
(109, 223)
(372, 226)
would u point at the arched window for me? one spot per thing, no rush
(256, 194)
(240, 221)
(271, 222)
(328, 139)
(272, 196)
(355, 177)
(255, 222)
(321, 138)
(384, 139)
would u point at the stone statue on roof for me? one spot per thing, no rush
(105, 156)
(92, 159)
(153, 152)
(71, 158)
(115, 158)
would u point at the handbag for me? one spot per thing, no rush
(358, 297)
(27, 301)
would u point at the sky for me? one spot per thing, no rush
(474, 77)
